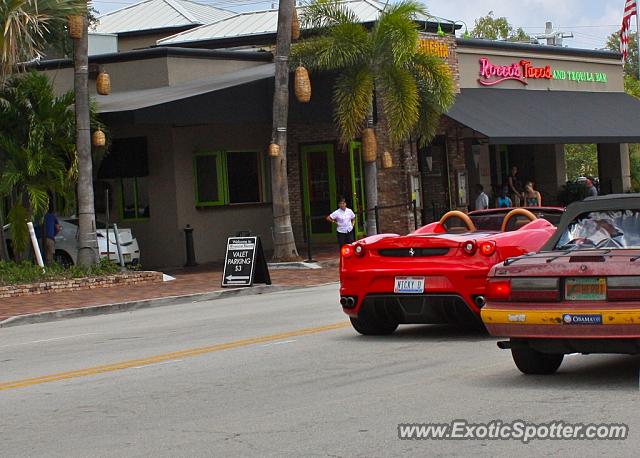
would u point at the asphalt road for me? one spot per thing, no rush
(282, 375)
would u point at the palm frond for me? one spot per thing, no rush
(400, 100)
(395, 34)
(352, 99)
(25, 24)
(436, 90)
(342, 46)
(17, 217)
(317, 14)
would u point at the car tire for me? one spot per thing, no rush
(63, 259)
(532, 362)
(369, 325)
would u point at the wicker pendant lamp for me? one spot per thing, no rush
(75, 25)
(103, 83)
(302, 85)
(387, 160)
(295, 26)
(274, 150)
(369, 145)
(98, 138)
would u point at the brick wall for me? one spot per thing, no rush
(77, 284)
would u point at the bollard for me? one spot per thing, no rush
(308, 230)
(415, 214)
(188, 238)
(118, 248)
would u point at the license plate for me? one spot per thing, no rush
(409, 285)
(586, 289)
(127, 257)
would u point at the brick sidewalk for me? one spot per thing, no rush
(201, 279)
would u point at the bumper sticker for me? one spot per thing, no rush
(569, 318)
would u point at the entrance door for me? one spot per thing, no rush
(319, 189)
(327, 175)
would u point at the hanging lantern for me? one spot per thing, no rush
(369, 145)
(387, 160)
(295, 26)
(302, 85)
(75, 24)
(98, 138)
(274, 150)
(103, 83)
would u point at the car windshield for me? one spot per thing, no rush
(602, 229)
(493, 221)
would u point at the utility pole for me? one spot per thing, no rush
(554, 38)
(87, 242)
(284, 244)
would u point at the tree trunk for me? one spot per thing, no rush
(371, 191)
(87, 242)
(284, 244)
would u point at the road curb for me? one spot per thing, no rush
(117, 307)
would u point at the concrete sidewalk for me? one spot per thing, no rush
(190, 285)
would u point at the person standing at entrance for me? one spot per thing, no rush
(515, 186)
(532, 198)
(343, 217)
(482, 201)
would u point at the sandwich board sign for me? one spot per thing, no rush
(244, 262)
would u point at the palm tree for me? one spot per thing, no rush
(413, 87)
(37, 143)
(26, 25)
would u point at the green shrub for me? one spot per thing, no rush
(12, 273)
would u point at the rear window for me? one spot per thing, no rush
(605, 229)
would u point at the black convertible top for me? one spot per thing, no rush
(592, 204)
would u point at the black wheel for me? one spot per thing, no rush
(63, 259)
(368, 325)
(533, 362)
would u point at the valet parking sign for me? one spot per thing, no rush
(492, 74)
(244, 262)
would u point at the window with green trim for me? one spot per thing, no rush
(135, 198)
(228, 177)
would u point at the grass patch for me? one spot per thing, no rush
(12, 273)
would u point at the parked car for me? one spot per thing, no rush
(436, 274)
(580, 294)
(67, 243)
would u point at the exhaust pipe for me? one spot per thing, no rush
(480, 301)
(347, 302)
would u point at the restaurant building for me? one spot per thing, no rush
(190, 122)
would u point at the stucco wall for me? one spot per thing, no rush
(212, 225)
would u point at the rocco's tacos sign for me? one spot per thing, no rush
(522, 71)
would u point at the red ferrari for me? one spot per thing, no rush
(580, 294)
(436, 274)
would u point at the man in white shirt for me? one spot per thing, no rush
(482, 201)
(343, 217)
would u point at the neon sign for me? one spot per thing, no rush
(492, 74)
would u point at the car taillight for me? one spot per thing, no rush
(623, 288)
(358, 250)
(498, 290)
(544, 289)
(487, 248)
(469, 247)
(346, 251)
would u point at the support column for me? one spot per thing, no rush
(614, 169)
(550, 171)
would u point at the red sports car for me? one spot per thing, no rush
(436, 274)
(580, 294)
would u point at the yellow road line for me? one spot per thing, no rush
(167, 357)
(554, 317)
